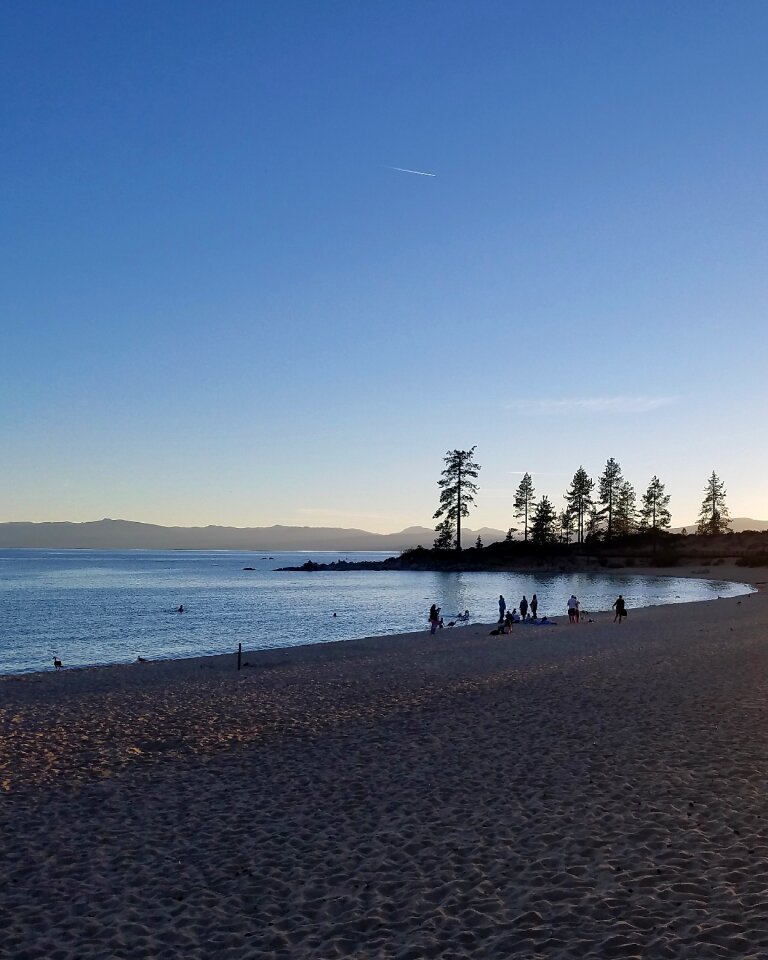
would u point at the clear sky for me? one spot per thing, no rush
(220, 303)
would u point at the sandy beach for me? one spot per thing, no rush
(595, 790)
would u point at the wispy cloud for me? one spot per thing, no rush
(620, 404)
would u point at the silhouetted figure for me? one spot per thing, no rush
(523, 607)
(534, 606)
(434, 618)
(57, 663)
(181, 608)
(459, 618)
(502, 607)
(620, 607)
(573, 607)
(508, 621)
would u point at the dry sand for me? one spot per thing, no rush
(575, 791)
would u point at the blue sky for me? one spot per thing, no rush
(221, 305)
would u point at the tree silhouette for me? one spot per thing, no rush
(446, 535)
(579, 499)
(625, 509)
(609, 486)
(565, 526)
(654, 512)
(457, 490)
(713, 516)
(524, 501)
(543, 526)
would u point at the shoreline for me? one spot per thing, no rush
(579, 791)
(749, 576)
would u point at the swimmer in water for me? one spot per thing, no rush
(181, 608)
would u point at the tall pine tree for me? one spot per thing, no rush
(625, 510)
(524, 501)
(457, 490)
(654, 508)
(609, 486)
(565, 526)
(578, 497)
(713, 516)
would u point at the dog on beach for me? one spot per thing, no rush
(57, 663)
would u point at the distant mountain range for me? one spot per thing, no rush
(128, 535)
(738, 525)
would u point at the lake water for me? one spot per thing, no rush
(99, 606)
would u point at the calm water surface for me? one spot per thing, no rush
(98, 606)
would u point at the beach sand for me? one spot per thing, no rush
(595, 790)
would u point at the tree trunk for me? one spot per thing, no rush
(458, 511)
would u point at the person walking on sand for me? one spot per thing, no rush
(573, 606)
(434, 618)
(534, 606)
(523, 607)
(502, 608)
(508, 621)
(620, 607)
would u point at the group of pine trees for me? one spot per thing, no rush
(607, 508)
(604, 509)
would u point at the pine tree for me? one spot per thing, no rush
(579, 499)
(565, 525)
(654, 512)
(625, 510)
(524, 501)
(446, 535)
(593, 521)
(479, 543)
(457, 488)
(509, 534)
(608, 486)
(713, 516)
(543, 524)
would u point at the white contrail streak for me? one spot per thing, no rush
(420, 173)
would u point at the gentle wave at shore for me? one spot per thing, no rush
(87, 607)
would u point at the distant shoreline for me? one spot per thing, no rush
(110, 534)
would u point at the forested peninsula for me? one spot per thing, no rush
(660, 550)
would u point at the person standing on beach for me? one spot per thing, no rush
(534, 606)
(573, 606)
(502, 608)
(434, 618)
(523, 607)
(620, 607)
(508, 622)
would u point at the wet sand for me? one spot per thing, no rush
(596, 790)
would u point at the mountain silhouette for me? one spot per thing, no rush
(130, 535)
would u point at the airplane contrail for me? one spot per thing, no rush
(420, 173)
